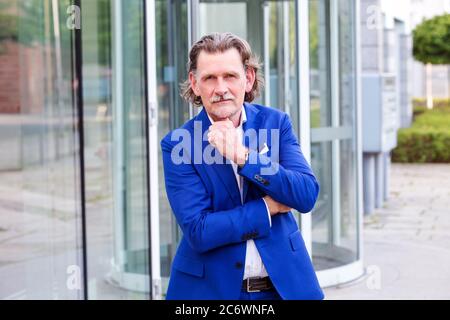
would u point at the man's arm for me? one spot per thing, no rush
(191, 203)
(294, 183)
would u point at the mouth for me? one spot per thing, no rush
(222, 101)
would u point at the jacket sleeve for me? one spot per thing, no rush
(192, 205)
(291, 180)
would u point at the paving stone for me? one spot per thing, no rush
(408, 240)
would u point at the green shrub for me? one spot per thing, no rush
(433, 119)
(422, 146)
(428, 140)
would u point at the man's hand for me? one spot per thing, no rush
(276, 207)
(222, 135)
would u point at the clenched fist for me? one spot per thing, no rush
(223, 136)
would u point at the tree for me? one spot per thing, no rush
(432, 40)
(431, 45)
(8, 24)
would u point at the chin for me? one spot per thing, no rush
(224, 114)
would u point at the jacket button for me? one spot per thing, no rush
(238, 265)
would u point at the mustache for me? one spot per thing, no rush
(216, 98)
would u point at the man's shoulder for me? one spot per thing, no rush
(270, 113)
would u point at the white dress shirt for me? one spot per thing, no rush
(254, 266)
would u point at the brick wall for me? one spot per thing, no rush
(22, 79)
(9, 78)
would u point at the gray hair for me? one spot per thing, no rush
(221, 42)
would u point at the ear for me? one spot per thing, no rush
(193, 81)
(250, 79)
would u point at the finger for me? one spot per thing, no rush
(218, 134)
(224, 124)
(218, 124)
(229, 124)
(215, 126)
(212, 138)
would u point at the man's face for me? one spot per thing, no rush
(222, 82)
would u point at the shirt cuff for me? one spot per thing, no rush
(268, 212)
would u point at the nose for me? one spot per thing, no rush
(221, 87)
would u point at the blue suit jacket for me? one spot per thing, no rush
(205, 198)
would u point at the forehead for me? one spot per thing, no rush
(219, 62)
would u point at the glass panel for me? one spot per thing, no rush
(335, 235)
(320, 90)
(115, 149)
(321, 117)
(223, 17)
(248, 20)
(334, 220)
(40, 239)
(334, 229)
(321, 159)
(347, 67)
(349, 223)
(171, 57)
(282, 83)
(348, 153)
(243, 18)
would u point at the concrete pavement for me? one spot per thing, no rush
(407, 242)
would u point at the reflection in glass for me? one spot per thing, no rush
(320, 68)
(321, 165)
(349, 223)
(115, 149)
(171, 57)
(40, 240)
(334, 219)
(282, 84)
(347, 67)
(347, 101)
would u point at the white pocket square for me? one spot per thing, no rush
(264, 150)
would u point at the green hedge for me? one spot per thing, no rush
(419, 146)
(428, 140)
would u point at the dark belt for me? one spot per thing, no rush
(257, 284)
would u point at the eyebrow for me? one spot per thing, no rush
(233, 73)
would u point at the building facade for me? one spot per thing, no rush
(88, 90)
(386, 56)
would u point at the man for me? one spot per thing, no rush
(240, 239)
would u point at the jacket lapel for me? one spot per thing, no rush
(223, 170)
(254, 119)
